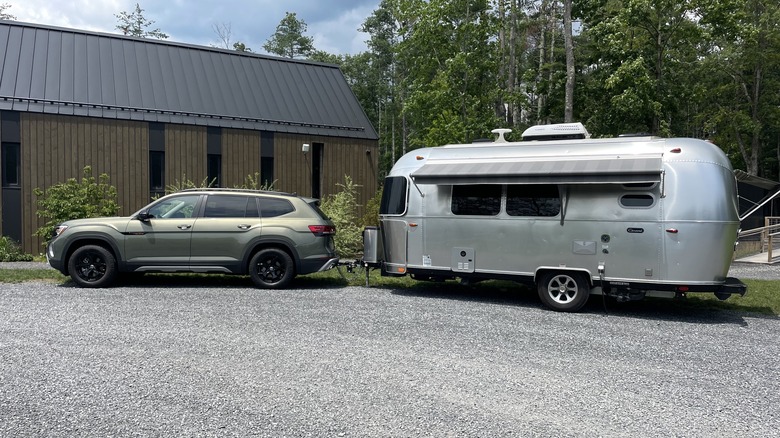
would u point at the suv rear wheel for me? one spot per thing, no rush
(92, 266)
(271, 268)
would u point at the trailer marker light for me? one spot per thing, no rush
(401, 270)
(420, 157)
(672, 230)
(676, 150)
(682, 288)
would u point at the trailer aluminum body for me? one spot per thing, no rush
(621, 216)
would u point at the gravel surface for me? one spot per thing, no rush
(202, 358)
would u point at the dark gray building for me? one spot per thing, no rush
(150, 113)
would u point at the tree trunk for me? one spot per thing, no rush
(542, 48)
(568, 108)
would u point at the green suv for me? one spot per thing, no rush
(270, 236)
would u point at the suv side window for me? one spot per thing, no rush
(230, 206)
(273, 207)
(174, 208)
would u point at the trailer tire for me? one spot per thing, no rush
(563, 291)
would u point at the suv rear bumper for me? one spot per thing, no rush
(317, 265)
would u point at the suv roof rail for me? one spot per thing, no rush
(226, 189)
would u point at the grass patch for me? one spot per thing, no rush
(763, 296)
(22, 275)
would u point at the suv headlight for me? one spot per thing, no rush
(58, 230)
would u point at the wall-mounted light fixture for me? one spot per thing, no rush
(305, 148)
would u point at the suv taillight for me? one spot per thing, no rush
(322, 230)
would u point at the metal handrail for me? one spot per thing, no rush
(767, 232)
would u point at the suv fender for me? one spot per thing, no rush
(90, 238)
(264, 242)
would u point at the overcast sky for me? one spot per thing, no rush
(332, 23)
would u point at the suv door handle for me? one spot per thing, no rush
(184, 227)
(244, 226)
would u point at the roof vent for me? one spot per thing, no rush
(500, 132)
(560, 131)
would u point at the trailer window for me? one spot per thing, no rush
(476, 200)
(533, 200)
(637, 201)
(394, 196)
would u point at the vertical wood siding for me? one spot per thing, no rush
(240, 156)
(185, 154)
(55, 148)
(340, 157)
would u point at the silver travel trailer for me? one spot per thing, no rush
(571, 215)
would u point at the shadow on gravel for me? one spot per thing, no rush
(691, 310)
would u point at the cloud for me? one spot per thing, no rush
(333, 25)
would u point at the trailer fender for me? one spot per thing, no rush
(540, 271)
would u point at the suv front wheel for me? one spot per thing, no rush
(271, 268)
(92, 266)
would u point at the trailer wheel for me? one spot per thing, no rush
(563, 291)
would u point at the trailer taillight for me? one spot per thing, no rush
(322, 230)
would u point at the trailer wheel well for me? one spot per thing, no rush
(540, 272)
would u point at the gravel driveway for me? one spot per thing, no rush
(201, 358)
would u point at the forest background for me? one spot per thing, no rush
(450, 71)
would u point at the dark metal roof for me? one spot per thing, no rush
(66, 71)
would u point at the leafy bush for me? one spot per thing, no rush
(10, 251)
(371, 211)
(341, 208)
(75, 200)
(186, 183)
(253, 182)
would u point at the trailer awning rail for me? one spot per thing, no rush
(609, 169)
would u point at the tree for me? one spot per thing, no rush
(224, 32)
(5, 15)
(241, 47)
(743, 103)
(289, 39)
(135, 24)
(568, 115)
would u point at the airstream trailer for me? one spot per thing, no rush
(568, 214)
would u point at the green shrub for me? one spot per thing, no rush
(10, 251)
(186, 183)
(75, 200)
(371, 211)
(342, 209)
(253, 182)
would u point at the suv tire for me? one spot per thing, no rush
(271, 268)
(92, 266)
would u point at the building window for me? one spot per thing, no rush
(156, 173)
(476, 200)
(11, 165)
(267, 172)
(533, 200)
(214, 170)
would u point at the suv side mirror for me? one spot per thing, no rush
(144, 216)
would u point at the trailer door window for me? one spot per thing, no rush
(394, 196)
(476, 200)
(533, 200)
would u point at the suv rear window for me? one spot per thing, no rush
(273, 207)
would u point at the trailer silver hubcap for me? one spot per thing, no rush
(562, 289)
